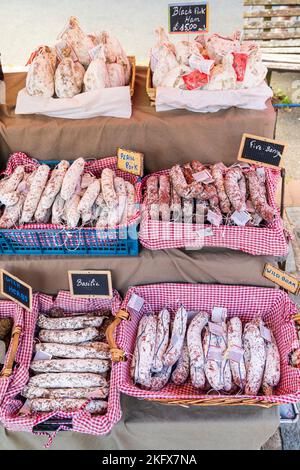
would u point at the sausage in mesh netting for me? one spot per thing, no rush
(54, 184)
(70, 365)
(162, 339)
(88, 392)
(182, 368)
(234, 335)
(164, 197)
(272, 369)
(258, 197)
(67, 380)
(68, 323)
(72, 179)
(255, 358)
(68, 336)
(217, 172)
(174, 349)
(145, 350)
(34, 194)
(45, 405)
(232, 188)
(195, 349)
(152, 196)
(96, 350)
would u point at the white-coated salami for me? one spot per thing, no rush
(71, 212)
(9, 199)
(234, 336)
(108, 188)
(68, 323)
(86, 203)
(67, 380)
(218, 171)
(54, 184)
(34, 194)
(152, 196)
(271, 375)
(182, 369)
(255, 358)
(68, 336)
(58, 210)
(88, 392)
(96, 350)
(131, 206)
(174, 349)
(42, 216)
(213, 362)
(120, 188)
(70, 365)
(11, 183)
(44, 405)
(72, 179)
(164, 198)
(11, 215)
(145, 350)
(226, 371)
(162, 339)
(102, 222)
(196, 353)
(160, 379)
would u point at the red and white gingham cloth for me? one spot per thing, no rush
(10, 386)
(272, 305)
(270, 240)
(82, 421)
(94, 167)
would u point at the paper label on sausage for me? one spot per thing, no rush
(207, 232)
(219, 314)
(236, 354)
(203, 177)
(265, 333)
(42, 356)
(216, 329)
(136, 303)
(213, 218)
(215, 354)
(240, 218)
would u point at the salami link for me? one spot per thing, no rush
(10, 184)
(213, 366)
(71, 212)
(72, 179)
(108, 189)
(120, 188)
(258, 197)
(68, 323)
(176, 206)
(226, 371)
(54, 184)
(70, 365)
(42, 216)
(272, 369)
(174, 349)
(233, 191)
(91, 392)
(145, 350)
(217, 172)
(152, 196)
(34, 194)
(162, 339)
(11, 215)
(67, 380)
(95, 350)
(45, 405)
(235, 333)
(130, 193)
(196, 353)
(164, 197)
(86, 203)
(9, 199)
(68, 336)
(102, 222)
(58, 210)
(255, 358)
(182, 369)
(159, 380)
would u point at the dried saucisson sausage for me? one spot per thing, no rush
(182, 369)
(54, 184)
(88, 392)
(34, 194)
(67, 380)
(255, 358)
(196, 353)
(258, 197)
(152, 196)
(68, 336)
(45, 405)
(72, 179)
(173, 351)
(232, 188)
(164, 198)
(235, 333)
(95, 350)
(162, 339)
(217, 172)
(70, 365)
(272, 369)
(145, 348)
(68, 323)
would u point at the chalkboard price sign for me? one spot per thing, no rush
(90, 284)
(16, 290)
(188, 18)
(266, 152)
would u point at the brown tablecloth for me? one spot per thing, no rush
(49, 274)
(147, 425)
(166, 138)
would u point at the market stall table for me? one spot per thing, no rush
(147, 425)
(166, 138)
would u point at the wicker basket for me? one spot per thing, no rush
(272, 305)
(151, 91)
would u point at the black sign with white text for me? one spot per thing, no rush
(256, 149)
(188, 17)
(90, 284)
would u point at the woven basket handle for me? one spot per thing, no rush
(117, 355)
(7, 371)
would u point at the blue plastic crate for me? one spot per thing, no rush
(70, 242)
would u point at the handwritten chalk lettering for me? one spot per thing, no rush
(16, 290)
(187, 18)
(91, 283)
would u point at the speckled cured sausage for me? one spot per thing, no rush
(58, 210)
(217, 172)
(141, 327)
(195, 349)
(89, 392)
(164, 198)
(68, 323)
(201, 211)
(11, 183)
(272, 369)
(130, 194)
(67, 380)
(145, 350)
(42, 216)
(108, 188)
(120, 188)
(9, 199)
(34, 194)
(213, 368)
(70, 365)
(68, 336)
(243, 190)
(255, 358)
(181, 186)
(182, 369)
(11, 215)
(78, 40)
(68, 78)
(102, 222)
(258, 197)
(174, 349)
(152, 196)
(72, 179)
(162, 339)
(86, 180)
(232, 188)
(54, 184)
(187, 210)
(86, 203)
(159, 380)
(188, 173)
(226, 370)
(234, 335)
(44, 405)
(176, 206)
(95, 350)
(71, 212)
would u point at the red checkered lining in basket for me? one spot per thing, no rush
(10, 386)
(82, 421)
(270, 240)
(272, 305)
(94, 167)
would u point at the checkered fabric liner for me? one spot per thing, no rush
(272, 305)
(10, 386)
(94, 167)
(82, 421)
(270, 240)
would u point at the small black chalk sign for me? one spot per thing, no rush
(90, 284)
(266, 152)
(188, 18)
(16, 290)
